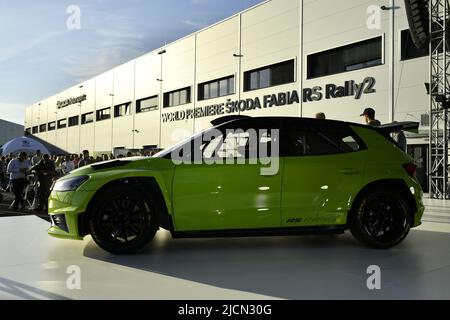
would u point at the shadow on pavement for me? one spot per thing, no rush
(306, 267)
(22, 291)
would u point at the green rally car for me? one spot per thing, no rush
(248, 176)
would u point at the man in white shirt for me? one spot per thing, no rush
(67, 165)
(34, 161)
(37, 157)
(17, 168)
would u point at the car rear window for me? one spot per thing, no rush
(322, 140)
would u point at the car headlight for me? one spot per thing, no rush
(70, 184)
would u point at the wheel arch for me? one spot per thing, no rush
(399, 184)
(147, 185)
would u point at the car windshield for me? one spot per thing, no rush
(168, 151)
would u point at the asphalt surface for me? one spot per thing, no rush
(34, 265)
(6, 211)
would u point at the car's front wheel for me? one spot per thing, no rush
(381, 219)
(122, 220)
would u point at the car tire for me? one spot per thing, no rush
(381, 218)
(122, 220)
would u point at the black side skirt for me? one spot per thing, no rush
(260, 232)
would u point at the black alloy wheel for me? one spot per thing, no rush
(382, 218)
(123, 221)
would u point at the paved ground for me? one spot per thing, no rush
(35, 266)
(5, 210)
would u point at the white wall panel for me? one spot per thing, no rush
(268, 33)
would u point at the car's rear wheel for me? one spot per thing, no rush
(122, 220)
(381, 218)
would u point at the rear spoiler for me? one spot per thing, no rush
(397, 126)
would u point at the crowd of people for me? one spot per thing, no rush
(38, 171)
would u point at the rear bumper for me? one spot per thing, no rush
(418, 196)
(66, 210)
(418, 217)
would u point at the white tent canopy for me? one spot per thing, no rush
(26, 144)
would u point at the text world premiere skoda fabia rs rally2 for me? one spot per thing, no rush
(248, 176)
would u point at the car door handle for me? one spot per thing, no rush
(349, 171)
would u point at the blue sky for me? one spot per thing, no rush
(40, 56)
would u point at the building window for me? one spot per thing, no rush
(425, 120)
(269, 76)
(28, 131)
(409, 50)
(177, 97)
(122, 110)
(104, 114)
(216, 88)
(35, 129)
(73, 121)
(87, 118)
(147, 104)
(62, 123)
(42, 128)
(51, 126)
(360, 55)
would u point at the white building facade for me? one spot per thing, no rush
(281, 57)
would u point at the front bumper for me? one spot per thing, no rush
(65, 210)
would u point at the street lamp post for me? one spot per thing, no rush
(111, 115)
(79, 121)
(161, 98)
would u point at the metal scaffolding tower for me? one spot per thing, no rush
(439, 98)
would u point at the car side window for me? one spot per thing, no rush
(230, 145)
(349, 144)
(316, 141)
(248, 143)
(320, 143)
(210, 147)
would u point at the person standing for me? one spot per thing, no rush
(76, 160)
(400, 138)
(45, 170)
(37, 157)
(369, 117)
(67, 165)
(85, 160)
(34, 161)
(320, 116)
(2, 172)
(17, 168)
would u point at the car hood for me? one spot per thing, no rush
(137, 163)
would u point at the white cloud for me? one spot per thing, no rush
(7, 53)
(12, 112)
(118, 34)
(193, 24)
(97, 60)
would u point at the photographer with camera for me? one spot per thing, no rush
(45, 170)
